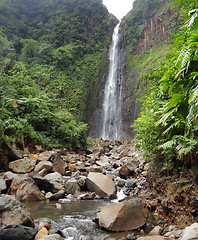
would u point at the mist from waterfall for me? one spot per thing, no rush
(111, 117)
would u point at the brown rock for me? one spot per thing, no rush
(25, 165)
(44, 156)
(124, 171)
(42, 233)
(94, 169)
(25, 189)
(58, 164)
(12, 212)
(101, 184)
(73, 168)
(122, 216)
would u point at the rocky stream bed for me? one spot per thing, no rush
(106, 192)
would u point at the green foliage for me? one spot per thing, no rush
(168, 125)
(27, 113)
(49, 57)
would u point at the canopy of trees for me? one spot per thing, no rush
(49, 57)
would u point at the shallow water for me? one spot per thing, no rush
(75, 219)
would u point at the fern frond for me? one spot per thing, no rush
(194, 95)
(185, 146)
(192, 21)
(168, 145)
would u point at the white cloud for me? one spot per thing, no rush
(119, 8)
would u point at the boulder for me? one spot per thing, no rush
(14, 232)
(153, 238)
(122, 216)
(3, 186)
(131, 163)
(72, 186)
(44, 156)
(25, 189)
(103, 162)
(58, 195)
(54, 177)
(12, 212)
(59, 164)
(42, 233)
(191, 232)
(124, 171)
(10, 151)
(101, 184)
(57, 180)
(25, 165)
(9, 175)
(97, 152)
(157, 230)
(52, 237)
(43, 184)
(43, 165)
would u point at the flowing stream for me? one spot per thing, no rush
(111, 117)
(75, 219)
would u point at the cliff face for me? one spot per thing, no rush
(157, 30)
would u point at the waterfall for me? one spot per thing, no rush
(111, 117)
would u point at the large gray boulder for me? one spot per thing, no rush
(52, 237)
(25, 189)
(191, 232)
(101, 184)
(57, 180)
(16, 232)
(12, 212)
(72, 186)
(122, 216)
(25, 165)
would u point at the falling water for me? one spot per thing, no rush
(111, 128)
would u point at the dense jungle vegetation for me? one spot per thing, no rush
(50, 52)
(167, 129)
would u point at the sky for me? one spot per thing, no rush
(118, 8)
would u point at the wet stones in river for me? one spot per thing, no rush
(13, 232)
(122, 216)
(25, 189)
(101, 184)
(12, 212)
(52, 237)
